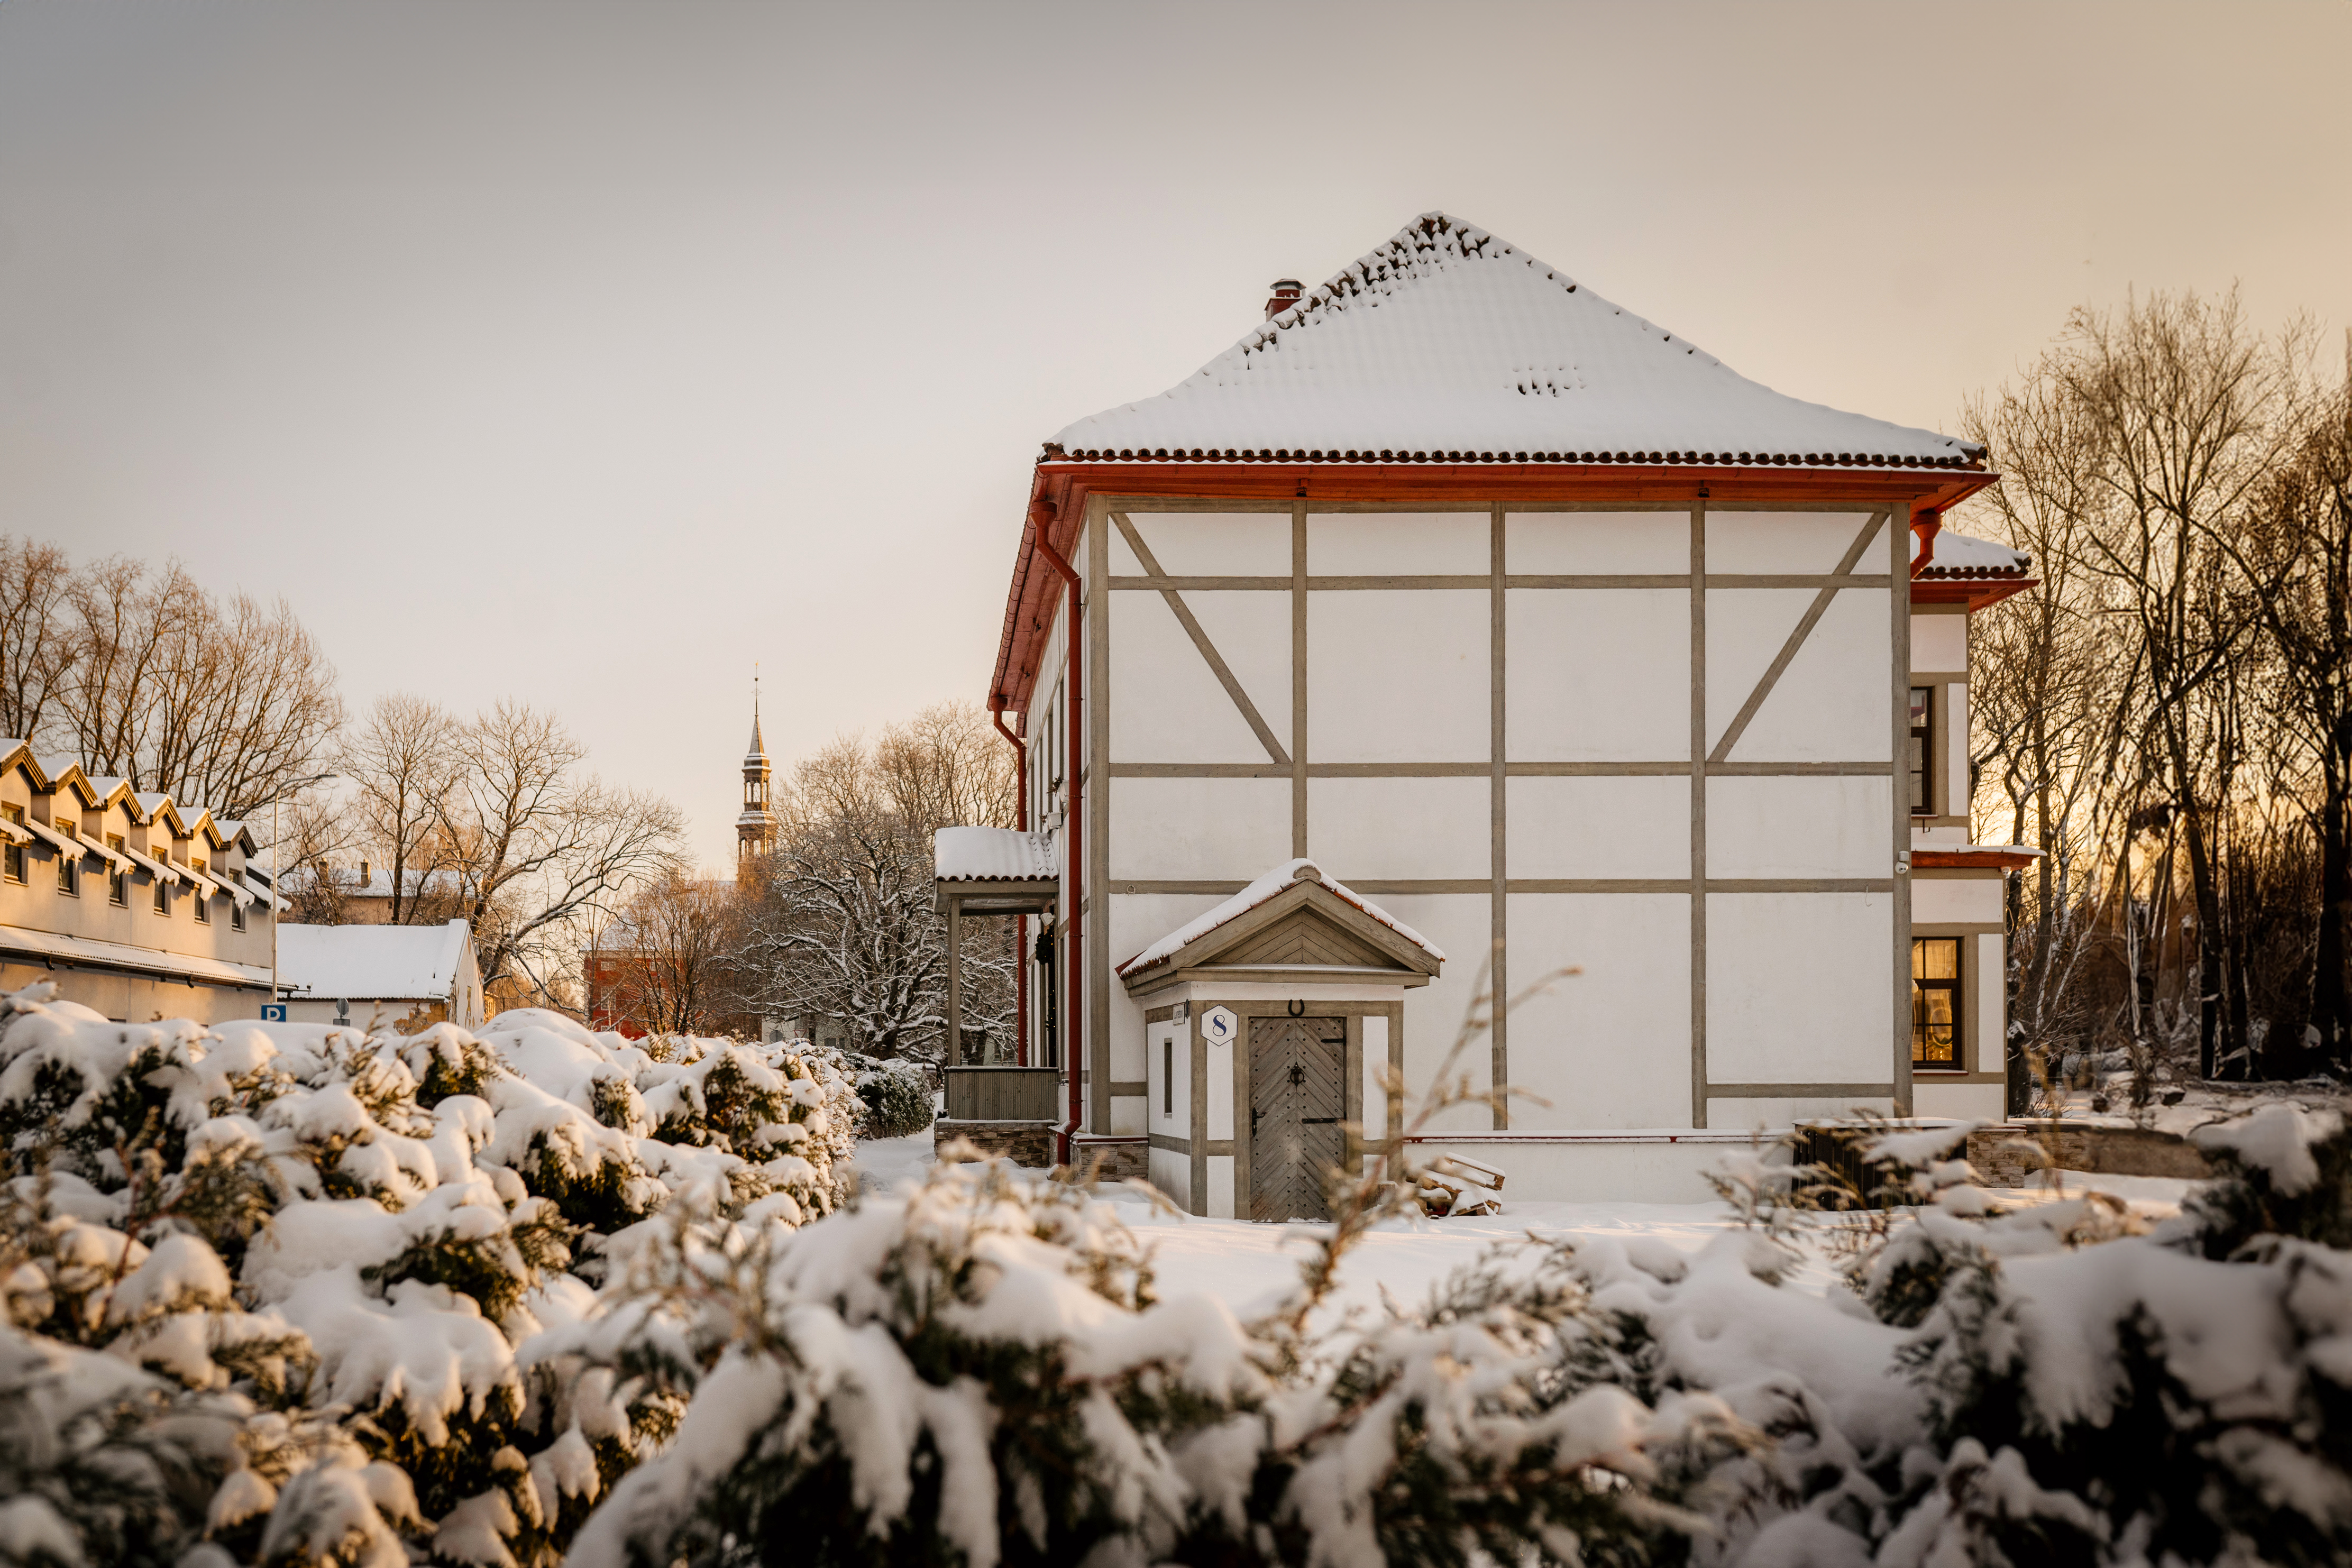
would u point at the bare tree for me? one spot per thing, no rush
(2301, 540)
(536, 845)
(403, 764)
(670, 956)
(35, 649)
(143, 675)
(841, 921)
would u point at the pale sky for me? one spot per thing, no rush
(588, 353)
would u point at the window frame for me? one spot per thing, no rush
(1955, 987)
(117, 876)
(1922, 731)
(12, 856)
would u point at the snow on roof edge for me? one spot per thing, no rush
(1266, 887)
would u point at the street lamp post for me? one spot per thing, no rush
(278, 872)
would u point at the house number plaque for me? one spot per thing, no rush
(1219, 1025)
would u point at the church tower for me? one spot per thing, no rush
(755, 829)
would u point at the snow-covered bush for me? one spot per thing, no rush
(980, 1370)
(897, 1093)
(288, 1284)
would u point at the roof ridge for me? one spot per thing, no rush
(1481, 370)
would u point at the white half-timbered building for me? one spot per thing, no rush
(1454, 621)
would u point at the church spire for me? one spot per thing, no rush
(755, 828)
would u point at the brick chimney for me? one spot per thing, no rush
(1286, 293)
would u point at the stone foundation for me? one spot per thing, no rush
(1027, 1144)
(2009, 1155)
(1123, 1159)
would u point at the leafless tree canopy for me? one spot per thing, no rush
(497, 821)
(2164, 717)
(672, 959)
(142, 674)
(840, 921)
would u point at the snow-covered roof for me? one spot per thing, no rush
(992, 855)
(1448, 344)
(373, 963)
(1273, 884)
(1958, 555)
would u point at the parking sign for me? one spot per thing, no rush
(273, 1012)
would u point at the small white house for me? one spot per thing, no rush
(1456, 628)
(409, 977)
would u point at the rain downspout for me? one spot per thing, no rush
(1041, 518)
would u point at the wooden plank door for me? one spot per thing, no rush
(1295, 1106)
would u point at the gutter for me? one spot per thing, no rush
(1041, 519)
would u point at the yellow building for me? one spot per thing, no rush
(133, 904)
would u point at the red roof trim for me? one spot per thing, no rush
(1975, 858)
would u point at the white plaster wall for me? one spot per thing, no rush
(1126, 1110)
(1789, 541)
(1597, 675)
(1953, 901)
(1573, 544)
(1385, 544)
(1251, 633)
(1609, 1047)
(1221, 1186)
(1961, 1102)
(1611, 1171)
(1166, 703)
(1992, 1003)
(1165, 1037)
(1360, 829)
(1193, 830)
(1171, 1172)
(1834, 703)
(1801, 826)
(1215, 544)
(1744, 630)
(1399, 676)
(1376, 1065)
(1939, 644)
(1612, 826)
(1139, 919)
(1800, 988)
(1955, 742)
(1771, 1116)
(1462, 926)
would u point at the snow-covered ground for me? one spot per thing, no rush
(882, 1162)
(1253, 1267)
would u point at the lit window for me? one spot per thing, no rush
(1936, 1002)
(1922, 710)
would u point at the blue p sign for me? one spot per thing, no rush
(273, 1012)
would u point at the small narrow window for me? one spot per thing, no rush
(1923, 708)
(235, 916)
(118, 879)
(1935, 1003)
(203, 907)
(14, 859)
(1168, 1075)
(162, 896)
